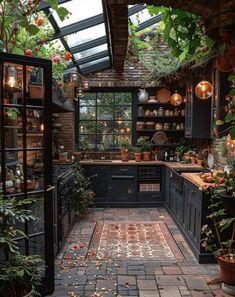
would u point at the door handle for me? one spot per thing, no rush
(50, 188)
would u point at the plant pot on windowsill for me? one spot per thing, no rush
(138, 157)
(36, 91)
(124, 155)
(147, 156)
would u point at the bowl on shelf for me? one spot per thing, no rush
(159, 138)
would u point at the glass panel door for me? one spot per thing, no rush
(26, 170)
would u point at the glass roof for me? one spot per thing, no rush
(86, 35)
(84, 32)
(80, 10)
(91, 51)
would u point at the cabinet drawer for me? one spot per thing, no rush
(124, 170)
(150, 197)
(150, 172)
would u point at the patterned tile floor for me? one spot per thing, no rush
(79, 271)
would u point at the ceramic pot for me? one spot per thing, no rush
(227, 270)
(193, 160)
(143, 96)
(199, 162)
(124, 155)
(138, 157)
(146, 156)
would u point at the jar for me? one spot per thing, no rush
(150, 125)
(161, 112)
(171, 113)
(147, 112)
(158, 126)
(140, 111)
(167, 112)
(140, 125)
(178, 127)
(174, 126)
(182, 126)
(166, 126)
(176, 112)
(182, 112)
(155, 112)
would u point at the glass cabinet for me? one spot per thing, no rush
(25, 144)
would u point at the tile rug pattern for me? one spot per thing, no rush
(133, 241)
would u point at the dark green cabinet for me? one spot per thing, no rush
(123, 189)
(167, 186)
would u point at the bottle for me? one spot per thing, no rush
(171, 156)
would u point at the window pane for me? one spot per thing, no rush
(123, 98)
(105, 127)
(105, 138)
(91, 139)
(91, 51)
(104, 113)
(123, 127)
(106, 99)
(85, 11)
(87, 127)
(94, 62)
(123, 113)
(87, 113)
(86, 35)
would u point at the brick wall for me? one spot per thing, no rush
(133, 75)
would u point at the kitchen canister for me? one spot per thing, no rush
(143, 96)
(161, 112)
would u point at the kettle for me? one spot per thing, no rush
(143, 96)
(165, 155)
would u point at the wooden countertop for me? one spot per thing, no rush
(195, 179)
(171, 165)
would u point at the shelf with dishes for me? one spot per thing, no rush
(145, 126)
(165, 131)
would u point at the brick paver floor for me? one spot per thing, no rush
(78, 275)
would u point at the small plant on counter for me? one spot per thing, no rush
(137, 150)
(19, 274)
(125, 147)
(147, 148)
(83, 196)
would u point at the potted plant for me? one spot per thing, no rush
(220, 234)
(137, 150)
(125, 148)
(146, 149)
(192, 155)
(19, 274)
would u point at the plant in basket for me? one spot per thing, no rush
(219, 236)
(19, 274)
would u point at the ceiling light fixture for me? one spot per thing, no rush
(176, 99)
(204, 90)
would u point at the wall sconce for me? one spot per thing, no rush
(11, 78)
(86, 84)
(176, 99)
(203, 90)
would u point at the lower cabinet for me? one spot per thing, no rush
(167, 186)
(123, 189)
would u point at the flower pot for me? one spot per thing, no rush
(19, 292)
(193, 160)
(227, 270)
(125, 156)
(199, 162)
(36, 91)
(229, 203)
(146, 156)
(138, 157)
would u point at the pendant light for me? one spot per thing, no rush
(176, 99)
(203, 90)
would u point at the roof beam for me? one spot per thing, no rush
(88, 45)
(95, 67)
(78, 26)
(149, 22)
(88, 59)
(135, 9)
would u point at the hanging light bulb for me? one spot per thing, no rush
(230, 144)
(42, 127)
(79, 92)
(86, 84)
(176, 99)
(203, 90)
(12, 76)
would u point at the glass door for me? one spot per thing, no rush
(26, 168)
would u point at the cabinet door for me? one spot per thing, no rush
(100, 180)
(26, 161)
(123, 189)
(167, 187)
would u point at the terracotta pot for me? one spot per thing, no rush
(199, 162)
(229, 203)
(124, 155)
(146, 156)
(223, 64)
(227, 270)
(36, 91)
(138, 157)
(193, 160)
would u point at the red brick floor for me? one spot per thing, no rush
(80, 272)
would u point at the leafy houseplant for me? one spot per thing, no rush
(220, 236)
(125, 147)
(83, 196)
(19, 274)
(147, 147)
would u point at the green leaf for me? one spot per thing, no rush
(62, 13)
(32, 29)
(232, 92)
(229, 117)
(232, 133)
(53, 4)
(231, 78)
